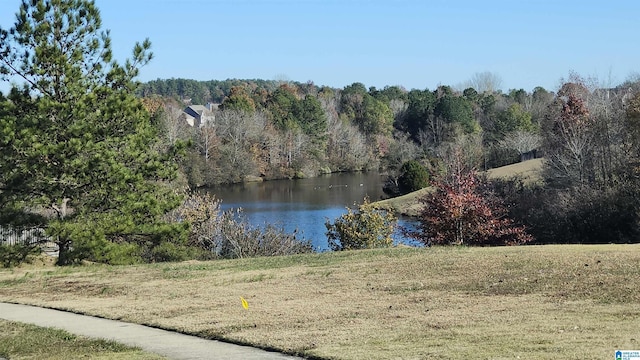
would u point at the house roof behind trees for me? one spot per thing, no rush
(199, 115)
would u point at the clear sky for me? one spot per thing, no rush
(413, 43)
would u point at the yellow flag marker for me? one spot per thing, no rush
(245, 304)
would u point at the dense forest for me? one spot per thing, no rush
(274, 129)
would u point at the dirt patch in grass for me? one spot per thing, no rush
(536, 302)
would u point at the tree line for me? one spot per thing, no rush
(274, 129)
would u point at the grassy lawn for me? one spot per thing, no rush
(533, 302)
(530, 170)
(20, 341)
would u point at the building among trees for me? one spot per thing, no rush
(200, 115)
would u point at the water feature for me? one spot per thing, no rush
(303, 204)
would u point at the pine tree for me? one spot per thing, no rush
(76, 144)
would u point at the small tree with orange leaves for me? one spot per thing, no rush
(463, 211)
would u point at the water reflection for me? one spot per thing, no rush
(303, 204)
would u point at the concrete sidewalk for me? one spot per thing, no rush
(167, 343)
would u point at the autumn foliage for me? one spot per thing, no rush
(462, 211)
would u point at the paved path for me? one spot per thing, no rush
(167, 343)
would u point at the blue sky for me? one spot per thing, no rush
(416, 44)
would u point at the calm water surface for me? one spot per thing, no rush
(303, 204)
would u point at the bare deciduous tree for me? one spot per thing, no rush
(399, 108)
(173, 123)
(485, 82)
(521, 141)
(207, 140)
(467, 147)
(238, 130)
(434, 133)
(347, 147)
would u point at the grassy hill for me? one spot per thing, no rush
(528, 302)
(530, 170)
(409, 204)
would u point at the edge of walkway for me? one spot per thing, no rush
(171, 344)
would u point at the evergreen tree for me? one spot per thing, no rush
(513, 118)
(456, 110)
(413, 177)
(284, 107)
(239, 100)
(77, 146)
(419, 112)
(313, 120)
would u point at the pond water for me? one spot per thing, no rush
(304, 204)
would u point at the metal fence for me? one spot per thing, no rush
(10, 235)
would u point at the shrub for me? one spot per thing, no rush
(12, 255)
(364, 228)
(414, 177)
(235, 238)
(201, 211)
(117, 254)
(216, 234)
(168, 251)
(580, 215)
(585, 216)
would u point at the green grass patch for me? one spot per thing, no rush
(22, 341)
(16, 280)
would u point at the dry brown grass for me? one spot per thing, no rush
(536, 302)
(408, 205)
(530, 170)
